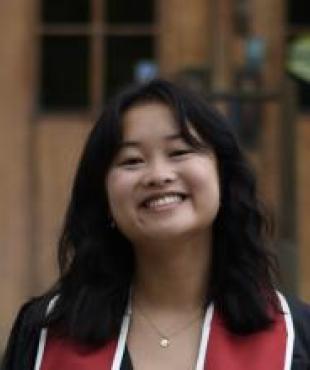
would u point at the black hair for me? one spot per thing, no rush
(96, 260)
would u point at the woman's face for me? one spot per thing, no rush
(159, 187)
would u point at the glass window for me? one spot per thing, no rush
(123, 53)
(304, 95)
(298, 12)
(68, 11)
(74, 54)
(64, 70)
(129, 11)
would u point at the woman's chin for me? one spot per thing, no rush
(168, 231)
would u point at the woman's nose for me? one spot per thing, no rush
(158, 175)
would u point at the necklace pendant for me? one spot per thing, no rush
(164, 342)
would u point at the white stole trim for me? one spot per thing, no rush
(205, 334)
(43, 336)
(121, 343)
(290, 332)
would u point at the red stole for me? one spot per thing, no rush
(260, 351)
(61, 354)
(225, 351)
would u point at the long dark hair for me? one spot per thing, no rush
(96, 260)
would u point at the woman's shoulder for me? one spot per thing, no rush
(31, 313)
(22, 343)
(300, 312)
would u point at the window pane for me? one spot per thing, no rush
(64, 67)
(303, 95)
(129, 11)
(298, 12)
(123, 53)
(69, 11)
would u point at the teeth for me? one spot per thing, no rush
(167, 199)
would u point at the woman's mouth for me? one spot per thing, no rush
(163, 201)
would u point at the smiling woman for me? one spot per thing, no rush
(164, 255)
(160, 187)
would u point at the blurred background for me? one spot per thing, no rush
(61, 61)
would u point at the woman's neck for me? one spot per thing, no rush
(176, 280)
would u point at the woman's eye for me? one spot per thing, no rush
(180, 152)
(131, 161)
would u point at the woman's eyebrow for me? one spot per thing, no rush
(130, 144)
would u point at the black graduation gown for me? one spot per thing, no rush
(23, 342)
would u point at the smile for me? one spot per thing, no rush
(163, 201)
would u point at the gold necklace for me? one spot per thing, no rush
(164, 339)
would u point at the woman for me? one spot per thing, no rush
(164, 258)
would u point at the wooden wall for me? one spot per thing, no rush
(15, 136)
(38, 154)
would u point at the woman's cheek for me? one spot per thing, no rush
(120, 187)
